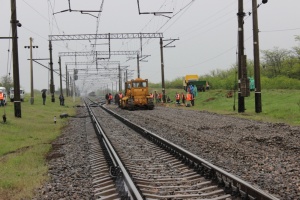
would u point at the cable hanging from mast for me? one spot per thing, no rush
(88, 12)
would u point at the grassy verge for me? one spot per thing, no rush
(25, 141)
(280, 106)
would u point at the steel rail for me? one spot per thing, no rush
(230, 183)
(134, 193)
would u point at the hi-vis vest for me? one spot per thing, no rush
(121, 96)
(177, 97)
(151, 95)
(1, 96)
(189, 97)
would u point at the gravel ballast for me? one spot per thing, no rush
(266, 155)
(69, 168)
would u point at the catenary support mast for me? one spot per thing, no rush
(14, 23)
(258, 106)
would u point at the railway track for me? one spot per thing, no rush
(145, 166)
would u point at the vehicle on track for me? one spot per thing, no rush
(137, 95)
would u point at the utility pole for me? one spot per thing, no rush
(31, 71)
(124, 78)
(258, 106)
(71, 86)
(60, 76)
(162, 70)
(241, 14)
(67, 84)
(120, 80)
(138, 66)
(162, 64)
(14, 23)
(52, 89)
(31, 74)
(74, 89)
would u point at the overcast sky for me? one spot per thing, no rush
(207, 33)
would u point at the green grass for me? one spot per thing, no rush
(280, 106)
(25, 141)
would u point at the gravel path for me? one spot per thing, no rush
(264, 154)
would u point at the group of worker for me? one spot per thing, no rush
(189, 97)
(180, 98)
(157, 97)
(109, 98)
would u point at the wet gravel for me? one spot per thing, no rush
(266, 155)
(69, 167)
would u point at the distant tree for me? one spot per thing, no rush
(176, 83)
(297, 48)
(7, 82)
(273, 61)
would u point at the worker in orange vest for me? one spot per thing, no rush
(188, 97)
(177, 97)
(151, 95)
(120, 97)
(1, 98)
(159, 97)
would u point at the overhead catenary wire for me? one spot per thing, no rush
(51, 8)
(279, 30)
(159, 26)
(191, 29)
(45, 18)
(226, 20)
(222, 53)
(183, 41)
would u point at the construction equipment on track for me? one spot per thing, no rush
(137, 95)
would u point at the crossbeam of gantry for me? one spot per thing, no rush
(102, 77)
(98, 74)
(100, 69)
(96, 53)
(105, 36)
(97, 69)
(93, 63)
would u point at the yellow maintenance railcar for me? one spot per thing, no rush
(137, 95)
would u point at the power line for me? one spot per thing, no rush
(191, 29)
(280, 30)
(59, 30)
(45, 18)
(182, 9)
(212, 58)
